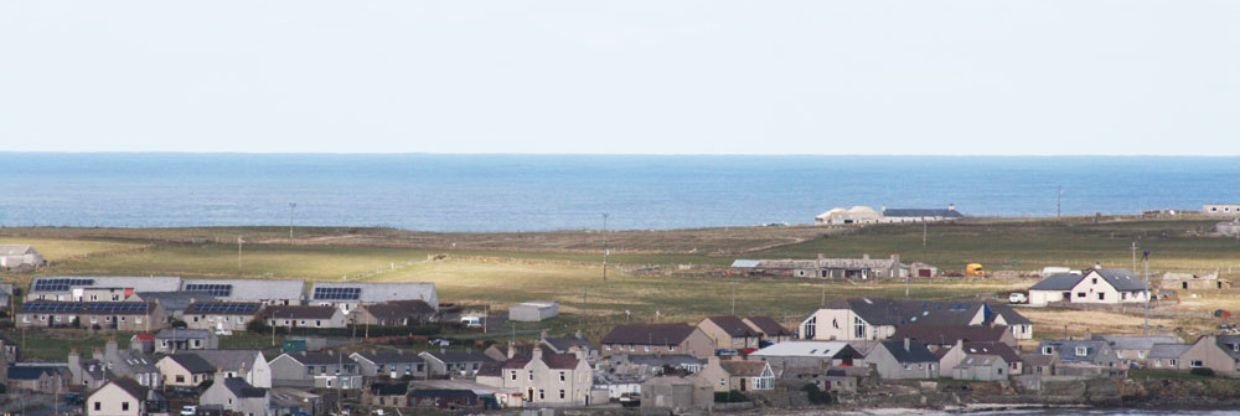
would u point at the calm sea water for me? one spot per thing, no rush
(513, 192)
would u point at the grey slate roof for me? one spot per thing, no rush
(1137, 342)
(228, 360)
(319, 357)
(884, 311)
(916, 352)
(300, 312)
(1066, 350)
(240, 388)
(562, 344)
(673, 360)
(1122, 279)
(256, 290)
(1009, 315)
(1168, 351)
(651, 334)
(459, 356)
(33, 372)
(1062, 281)
(733, 325)
(174, 301)
(389, 357)
(193, 363)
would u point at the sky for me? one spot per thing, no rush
(966, 77)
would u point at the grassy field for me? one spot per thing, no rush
(502, 268)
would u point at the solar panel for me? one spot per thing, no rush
(223, 308)
(221, 290)
(337, 293)
(60, 285)
(97, 308)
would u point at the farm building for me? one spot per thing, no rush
(866, 215)
(18, 256)
(825, 268)
(855, 215)
(1094, 286)
(1189, 281)
(533, 311)
(1221, 210)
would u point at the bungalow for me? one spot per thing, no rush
(952, 356)
(169, 341)
(902, 360)
(129, 363)
(1220, 353)
(730, 332)
(946, 336)
(658, 339)
(390, 364)
(263, 291)
(221, 317)
(20, 256)
(770, 330)
(88, 374)
(980, 367)
(106, 316)
(387, 395)
(454, 363)
(72, 288)
(547, 379)
(1093, 286)
(319, 369)
(305, 317)
(1166, 356)
(1082, 358)
(234, 394)
(395, 313)
(877, 318)
(119, 397)
(348, 296)
(185, 369)
(738, 375)
(42, 378)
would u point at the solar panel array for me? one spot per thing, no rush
(222, 308)
(100, 308)
(60, 285)
(221, 290)
(337, 293)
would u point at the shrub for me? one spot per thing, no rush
(730, 397)
(1202, 371)
(816, 395)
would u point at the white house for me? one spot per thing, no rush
(876, 319)
(17, 255)
(1093, 286)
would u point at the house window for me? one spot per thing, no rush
(561, 394)
(1102, 296)
(542, 394)
(531, 376)
(124, 405)
(1094, 280)
(1196, 364)
(811, 328)
(1172, 362)
(514, 376)
(318, 323)
(310, 370)
(1048, 350)
(180, 378)
(563, 378)
(858, 328)
(1082, 351)
(98, 406)
(1080, 294)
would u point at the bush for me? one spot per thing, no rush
(730, 397)
(816, 395)
(1202, 371)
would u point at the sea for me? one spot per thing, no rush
(458, 193)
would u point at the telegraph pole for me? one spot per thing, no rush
(606, 250)
(1134, 256)
(1059, 202)
(291, 207)
(1145, 329)
(239, 242)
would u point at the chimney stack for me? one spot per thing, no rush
(536, 353)
(907, 344)
(512, 349)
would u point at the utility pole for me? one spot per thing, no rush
(291, 206)
(734, 284)
(239, 242)
(1134, 256)
(274, 318)
(1145, 329)
(606, 250)
(1059, 202)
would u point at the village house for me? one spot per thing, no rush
(263, 291)
(877, 318)
(824, 268)
(1134, 350)
(979, 367)
(221, 317)
(394, 365)
(1220, 353)
(946, 336)
(548, 379)
(305, 317)
(20, 257)
(6, 295)
(1166, 356)
(903, 360)
(808, 354)
(131, 364)
(387, 395)
(234, 394)
(952, 356)
(1191, 281)
(395, 313)
(571, 345)
(533, 311)
(1221, 210)
(678, 394)
(348, 296)
(730, 332)
(247, 364)
(738, 375)
(906, 215)
(770, 330)
(454, 363)
(171, 340)
(118, 397)
(103, 316)
(40, 378)
(88, 374)
(185, 370)
(72, 288)
(1092, 286)
(320, 369)
(658, 339)
(1082, 358)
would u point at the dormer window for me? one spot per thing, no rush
(1082, 351)
(1048, 350)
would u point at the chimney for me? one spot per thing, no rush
(219, 377)
(907, 344)
(960, 344)
(536, 353)
(821, 257)
(512, 349)
(96, 354)
(895, 258)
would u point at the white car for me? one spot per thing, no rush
(1018, 297)
(189, 410)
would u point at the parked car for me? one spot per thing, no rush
(189, 410)
(1018, 297)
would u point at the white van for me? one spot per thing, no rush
(471, 321)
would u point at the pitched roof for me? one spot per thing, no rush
(949, 334)
(916, 352)
(240, 388)
(389, 389)
(459, 356)
(553, 360)
(389, 357)
(192, 363)
(884, 311)
(32, 372)
(1066, 349)
(229, 359)
(739, 368)
(992, 348)
(1137, 342)
(562, 344)
(174, 300)
(1062, 281)
(1010, 316)
(1122, 279)
(733, 325)
(14, 249)
(224, 308)
(1168, 351)
(980, 360)
(921, 212)
(252, 290)
(821, 349)
(400, 309)
(183, 333)
(768, 326)
(129, 386)
(64, 284)
(300, 312)
(652, 334)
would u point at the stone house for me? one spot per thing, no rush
(1134, 350)
(235, 395)
(770, 330)
(730, 332)
(658, 339)
(678, 394)
(221, 317)
(118, 397)
(262, 291)
(1082, 358)
(824, 268)
(282, 316)
(946, 336)
(571, 345)
(393, 365)
(1220, 353)
(950, 357)
(738, 375)
(546, 379)
(1166, 356)
(321, 369)
(171, 340)
(980, 367)
(40, 378)
(134, 365)
(348, 296)
(88, 374)
(74, 288)
(903, 360)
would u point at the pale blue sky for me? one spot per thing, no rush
(628, 76)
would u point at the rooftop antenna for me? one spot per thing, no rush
(1145, 329)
